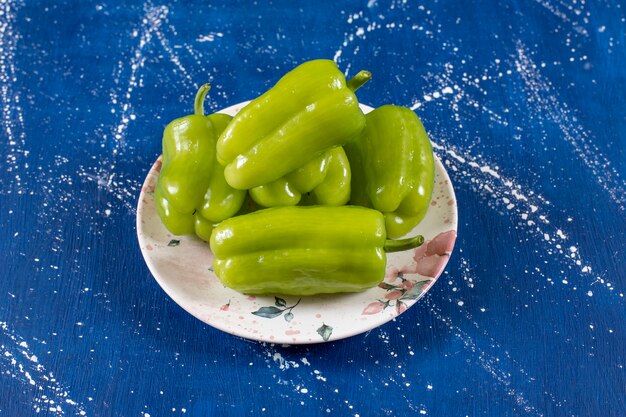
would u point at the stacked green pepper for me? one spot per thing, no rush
(305, 142)
(393, 167)
(309, 111)
(192, 194)
(325, 181)
(304, 250)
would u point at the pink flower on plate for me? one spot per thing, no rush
(407, 285)
(432, 256)
(374, 308)
(394, 273)
(394, 295)
(442, 244)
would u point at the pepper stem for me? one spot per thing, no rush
(392, 245)
(198, 103)
(358, 80)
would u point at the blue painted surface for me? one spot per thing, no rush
(524, 101)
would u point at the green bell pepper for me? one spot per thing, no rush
(393, 168)
(325, 180)
(310, 110)
(192, 194)
(304, 250)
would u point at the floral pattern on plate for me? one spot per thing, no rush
(182, 267)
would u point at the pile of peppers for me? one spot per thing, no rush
(300, 193)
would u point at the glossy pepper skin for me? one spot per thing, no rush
(393, 168)
(325, 181)
(310, 110)
(192, 194)
(304, 250)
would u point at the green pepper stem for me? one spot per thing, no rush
(198, 103)
(358, 80)
(392, 245)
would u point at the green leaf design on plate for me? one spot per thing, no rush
(417, 291)
(288, 317)
(280, 302)
(174, 242)
(268, 312)
(325, 331)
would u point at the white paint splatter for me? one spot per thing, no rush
(364, 25)
(124, 190)
(210, 37)
(12, 111)
(173, 56)
(19, 363)
(492, 183)
(490, 363)
(283, 364)
(151, 23)
(449, 88)
(556, 11)
(337, 55)
(542, 94)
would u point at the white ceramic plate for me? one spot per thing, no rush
(182, 267)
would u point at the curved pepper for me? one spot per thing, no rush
(325, 180)
(393, 168)
(192, 194)
(309, 111)
(304, 250)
